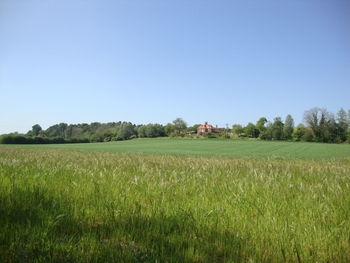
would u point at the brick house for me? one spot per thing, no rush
(207, 128)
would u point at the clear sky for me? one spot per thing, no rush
(150, 61)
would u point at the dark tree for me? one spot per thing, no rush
(36, 130)
(288, 128)
(343, 124)
(317, 120)
(251, 131)
(277, 129)
(260, 125)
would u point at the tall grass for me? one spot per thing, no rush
(100, 207)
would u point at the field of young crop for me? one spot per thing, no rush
(210, 147)
(59, 206)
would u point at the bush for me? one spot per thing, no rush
(174, 134)
(210, 135)
(21, 139)
(308, 136)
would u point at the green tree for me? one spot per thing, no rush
(62, 129)
(179, 124)
(77, 132)
(266, 133)
(333, 132)
(141, 131)
(237, 129)
(36, 130)
(251, 131)
(151, 130)
(193, 128)
(288, 127)
(317, 120)
(343, 124)
(57, 130)
(260, 125)
(94, 126)
(277, 129)
(299, 133)
(125, 131)
(309, 135)
(169, 129)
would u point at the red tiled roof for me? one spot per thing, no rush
(206, 126)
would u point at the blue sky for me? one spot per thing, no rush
(151, 61)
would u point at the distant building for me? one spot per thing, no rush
(207, 128)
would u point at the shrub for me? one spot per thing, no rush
(308, 136)
(21, 139)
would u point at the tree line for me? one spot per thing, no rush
(22, 139)
(320, 126)
(95, 132)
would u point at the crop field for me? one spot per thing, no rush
(70, 206)
(211, 147)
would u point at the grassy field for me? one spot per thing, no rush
(59, 206)
(211, 147)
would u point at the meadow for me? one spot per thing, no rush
(70, 206)
(209, 147)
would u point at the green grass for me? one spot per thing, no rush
(59, 206)
(211, 147)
